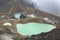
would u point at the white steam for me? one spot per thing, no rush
(50, 6)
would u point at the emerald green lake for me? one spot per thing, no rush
(33, 28)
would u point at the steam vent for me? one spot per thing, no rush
(21, 20)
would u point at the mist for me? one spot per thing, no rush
(50, 6)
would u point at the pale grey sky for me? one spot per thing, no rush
(50, 6)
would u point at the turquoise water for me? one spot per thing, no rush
(17, 15)
(33, 28)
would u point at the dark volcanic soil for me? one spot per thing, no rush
(52, 35)
(9, 7)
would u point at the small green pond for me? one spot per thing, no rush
(33, 28)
